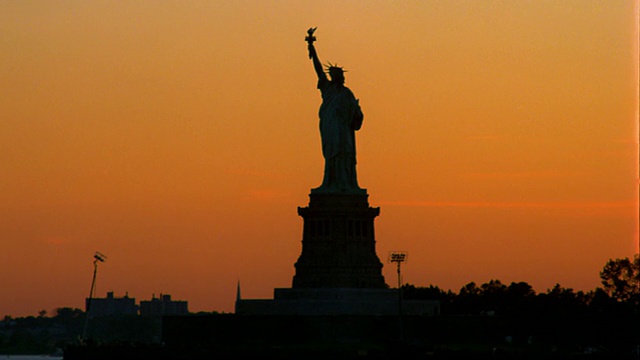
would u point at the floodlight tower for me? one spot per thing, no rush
(97, 257)
(399, 257)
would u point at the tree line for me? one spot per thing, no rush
(620, 291)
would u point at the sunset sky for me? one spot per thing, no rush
(500, 141)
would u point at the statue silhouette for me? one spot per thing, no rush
(340, 117)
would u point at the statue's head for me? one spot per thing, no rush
(336, 73)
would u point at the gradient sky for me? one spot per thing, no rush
(179, 137)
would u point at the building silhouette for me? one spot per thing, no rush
(163, 306)
(111, 305)
(157, 306)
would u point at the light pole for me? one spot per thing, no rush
(97, 257)
(399, 257)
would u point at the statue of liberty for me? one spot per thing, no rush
(340, 118)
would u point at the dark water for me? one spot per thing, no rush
(30, 357)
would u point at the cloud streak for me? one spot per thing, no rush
(522, 175)
(519, 204)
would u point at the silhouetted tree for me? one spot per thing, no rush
(599, 301)
(494, 296)
(562, 301)
(621, 279)
(520, 290)
(468, 299)
(471, 289)
(68, 315)
(519, 298)
(71, 320)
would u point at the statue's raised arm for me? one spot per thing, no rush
(313, 55)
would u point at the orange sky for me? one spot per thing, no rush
(179, 137)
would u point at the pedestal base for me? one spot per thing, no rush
(335, 301)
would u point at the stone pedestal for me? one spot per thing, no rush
(338, 272)
(338, 244)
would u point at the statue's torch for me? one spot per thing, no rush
(310, 38)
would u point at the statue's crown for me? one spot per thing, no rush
(334, 68)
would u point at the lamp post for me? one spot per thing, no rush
(97, 257)
(399, 257)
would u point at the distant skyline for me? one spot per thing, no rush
(500, 141)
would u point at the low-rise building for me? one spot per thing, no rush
(111, 305)
(163, 306)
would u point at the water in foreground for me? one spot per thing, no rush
(29, 357)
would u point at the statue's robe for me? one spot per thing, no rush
(340, 117)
